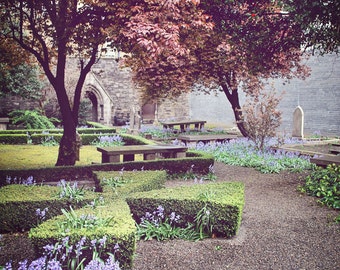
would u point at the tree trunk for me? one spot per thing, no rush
(233, 98)
(68, 148)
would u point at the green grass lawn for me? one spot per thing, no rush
(39, 156)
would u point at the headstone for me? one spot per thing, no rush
(135, 121)
(298, 122)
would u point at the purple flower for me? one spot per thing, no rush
(54, 265)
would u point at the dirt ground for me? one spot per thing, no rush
(281, 229)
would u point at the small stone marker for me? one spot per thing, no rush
(135, 121)
(298, 122)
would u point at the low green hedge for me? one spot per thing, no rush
(120, 184)
(201, 162)
(18, 205)
(58, 131)
(13, 138)
(225, 202)
(121, 231)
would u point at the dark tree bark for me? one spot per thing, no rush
(233, 97)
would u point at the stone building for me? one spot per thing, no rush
(115, 100)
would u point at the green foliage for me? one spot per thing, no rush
(324, 183)
(225, 206)
(122, 183)
(21, 80)
(86, 221)
(30, 119)
(19, 205)
(70, 192)
(160, 227)
(49, 141)
(121, 230)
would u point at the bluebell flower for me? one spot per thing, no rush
(53, 265)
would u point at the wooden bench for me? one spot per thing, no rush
(184, 125)
(324, 161)
(150, 152)
(186, 139)
(335, 149)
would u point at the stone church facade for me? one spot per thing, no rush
(114, 99)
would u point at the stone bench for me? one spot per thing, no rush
(187, 139)
(3, 123)
(149, 152)
(184, 125)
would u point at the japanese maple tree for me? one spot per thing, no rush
(241, 44)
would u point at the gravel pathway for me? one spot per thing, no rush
(281, 229)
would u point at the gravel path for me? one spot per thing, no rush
(281, 229)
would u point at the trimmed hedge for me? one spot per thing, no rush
(58, 131)
(120, 231)
(201, 162)
(120, 184)
(18, 205)
(224, 200)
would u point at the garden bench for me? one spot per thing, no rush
(324, 161)
(150, 152)
(335, 149)
(184, 125)
(206, 138)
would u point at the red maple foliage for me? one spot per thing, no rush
(223, 45)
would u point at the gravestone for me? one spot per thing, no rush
(298, 122)
(135, 120)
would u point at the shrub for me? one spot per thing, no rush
(19, 205)
(261, 117)
(30, 119)
(225, 205)
(324, 183)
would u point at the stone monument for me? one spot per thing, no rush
(298, 122)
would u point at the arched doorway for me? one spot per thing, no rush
(94, 101)
(148, 112)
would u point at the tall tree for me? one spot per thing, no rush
(250, 41)
(52, 31)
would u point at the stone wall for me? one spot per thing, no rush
(318, 96)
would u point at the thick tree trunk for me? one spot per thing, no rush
(68, 148)
(233, 98)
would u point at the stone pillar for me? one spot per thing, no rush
(298, 122)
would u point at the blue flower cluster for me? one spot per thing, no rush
(157, 217)
(27, 182)
(64, 256)
(242, 152)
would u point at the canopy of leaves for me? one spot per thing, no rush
(22, 80)
(320, 22)
(230, 44)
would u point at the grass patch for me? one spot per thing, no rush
(38, 156)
